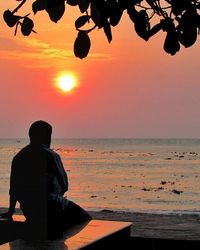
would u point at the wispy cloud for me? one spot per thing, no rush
(44, 55)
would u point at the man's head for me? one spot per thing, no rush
(40, 133)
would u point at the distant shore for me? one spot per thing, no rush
(161, 226)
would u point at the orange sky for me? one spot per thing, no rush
(128, 88)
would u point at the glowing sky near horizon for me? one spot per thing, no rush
(129, 88)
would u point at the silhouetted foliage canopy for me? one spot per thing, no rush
(179, 19)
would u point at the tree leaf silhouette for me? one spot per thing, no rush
(188, 36)
(39, 5)
(82, 45)
(72, 2)
(55, 9)
(82, 20)
(107, 30)
(10, 19)
(155, 29)
(142, 25)
(171, 44)
(27, 26)
(179, 6)
(96, 15)
(187, 28)
(116, 17)
(133, 13)
(83, 5)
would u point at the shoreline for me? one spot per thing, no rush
(158, 226)
(157, 212)
(152, 225)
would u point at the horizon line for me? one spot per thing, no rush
(104, 138)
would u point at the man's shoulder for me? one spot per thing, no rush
(28, 151)
(50, 152)
(21, 153)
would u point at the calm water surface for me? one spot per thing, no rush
(147, 175)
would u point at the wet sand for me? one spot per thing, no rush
(159, 226)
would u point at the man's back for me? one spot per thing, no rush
(35, 176)
(29, 180)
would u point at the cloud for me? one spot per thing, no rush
(41, 53)
(100, 56)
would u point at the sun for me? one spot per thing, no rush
(66, 82)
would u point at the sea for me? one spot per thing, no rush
(132, 175)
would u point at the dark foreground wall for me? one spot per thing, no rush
(162, 244)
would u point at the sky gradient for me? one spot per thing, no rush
(129, 88)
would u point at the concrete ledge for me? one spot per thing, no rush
(97, 234)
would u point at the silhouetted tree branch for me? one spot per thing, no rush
(180, 19)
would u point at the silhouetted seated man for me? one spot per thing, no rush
(38, 182)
